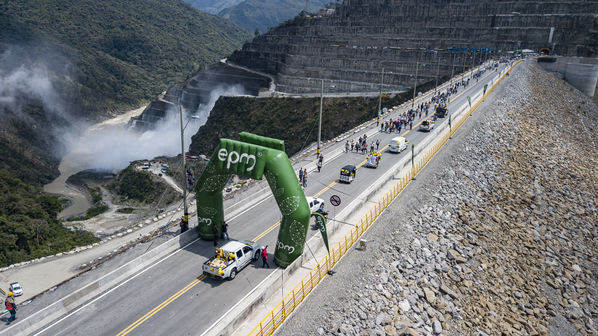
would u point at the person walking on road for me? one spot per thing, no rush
(347, 147)
(301, 175)
(225, 231)
(11, 306)
(319, 166)
(304, 178)
(377, 144)
(265, 257)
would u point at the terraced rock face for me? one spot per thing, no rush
(352, 45)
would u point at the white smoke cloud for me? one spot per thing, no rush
(112, 147)
(30, 73)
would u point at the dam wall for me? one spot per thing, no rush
(351, 46)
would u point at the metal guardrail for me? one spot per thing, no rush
(288, 304)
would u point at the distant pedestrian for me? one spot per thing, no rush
(215, 232)
(377, 144)
(321, 159)
(301, 175)
(225, 231)
(11, 306)
(319, 164)
(347, 147)
(352, 144)
(304, 179)
(265, 257)
(371, 147)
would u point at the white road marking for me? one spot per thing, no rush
(114, 288)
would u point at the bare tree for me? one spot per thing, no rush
(39, 226)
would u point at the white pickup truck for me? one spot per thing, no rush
(232, 258)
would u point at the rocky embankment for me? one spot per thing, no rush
(498, 236)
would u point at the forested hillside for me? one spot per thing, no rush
(212, 6)
(259, 15)
(124, 51)
(67, 61)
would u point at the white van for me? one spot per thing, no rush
(397, 145)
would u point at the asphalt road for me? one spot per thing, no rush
(173, 297)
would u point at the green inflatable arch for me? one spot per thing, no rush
(254, 156)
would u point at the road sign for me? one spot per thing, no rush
(335, 200)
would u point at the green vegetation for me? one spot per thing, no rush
(294, 120)
(260, 15)
(141, 187)
(103, 57)
(125, 51)
(126, 210)
(212, 6)
(28, 225)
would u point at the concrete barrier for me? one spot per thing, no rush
(583, 77)
(73, 300)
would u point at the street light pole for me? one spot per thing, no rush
(380, 98)
(185, 222)
(415, 84)
(320, 122)
(437, 71)
(452, 68)
(463, 73)
(473, 63)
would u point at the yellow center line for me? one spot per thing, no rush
(268, 230)
(258, 237)
(161, 306)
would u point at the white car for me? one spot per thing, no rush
(315, 204)
(15, 287)
(397, 145)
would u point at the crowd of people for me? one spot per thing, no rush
(439, 100)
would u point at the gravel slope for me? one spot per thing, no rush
(498, 235)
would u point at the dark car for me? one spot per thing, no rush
(441, 111)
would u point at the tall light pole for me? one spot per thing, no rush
(452, 68)
(320, 122)
(185, 222)
(473, 62)
(415, 84)
(463, 73)
(380, 98)
(437, 71)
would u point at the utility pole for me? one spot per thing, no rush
(185, 222)
(463, 73)
(415, 84)
(380, 98)
(452, 68)
(437, 71)
(473, 62)
(320, 122)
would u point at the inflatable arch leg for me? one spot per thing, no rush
(255, 156)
